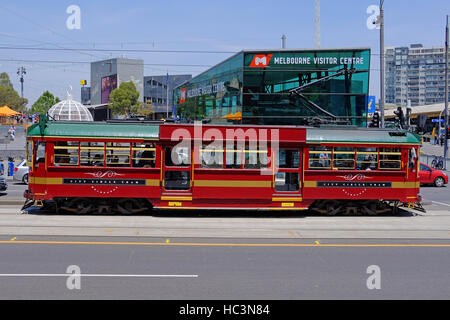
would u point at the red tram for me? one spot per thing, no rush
(131, 167)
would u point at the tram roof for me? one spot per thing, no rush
(96, 130)
(361, 135)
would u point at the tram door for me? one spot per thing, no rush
(176, 173)
(288, 174)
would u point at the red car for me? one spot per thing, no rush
(428, 175)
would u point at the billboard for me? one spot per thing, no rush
(109, 83)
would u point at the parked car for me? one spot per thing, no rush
(3, 184)
(21, 172)
(428, 175)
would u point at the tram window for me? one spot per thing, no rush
(66, 153)
(255, 159)
(177, 180)
(29, 153)
(117, 154)
(40, 152)
(233, 157)
(177, 156)
(343, 158)
(287, 181)
(92, 154)
(211, 157)
(366, 158)
(144, 155)
(288, 159)
(390, 159)
(320, 158)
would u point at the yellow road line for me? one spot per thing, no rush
(225, 244)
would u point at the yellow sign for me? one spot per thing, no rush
(83, 82)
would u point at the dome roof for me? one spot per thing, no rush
(70, 110)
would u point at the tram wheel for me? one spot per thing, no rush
(332, 207)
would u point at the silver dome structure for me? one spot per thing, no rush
(70, 110)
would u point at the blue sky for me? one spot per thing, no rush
(228, 26)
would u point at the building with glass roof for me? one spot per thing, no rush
(280, 86)
(70, 110)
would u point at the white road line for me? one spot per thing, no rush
(442, 203)
(99, 275)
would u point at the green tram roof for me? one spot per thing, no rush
(69, 129)
(120, 130)
(361, 136)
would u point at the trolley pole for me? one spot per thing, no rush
(381, 103)
(446, 97)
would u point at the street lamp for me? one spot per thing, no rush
(380, 22)
(446, 96)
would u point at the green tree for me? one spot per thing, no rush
(124, 99)
(5, 81)
(44, 102)
(9, 97)
(144, 109)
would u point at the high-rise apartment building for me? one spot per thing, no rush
(416, 74)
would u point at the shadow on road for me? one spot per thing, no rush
(167, 213)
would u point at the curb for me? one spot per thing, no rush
(12, 202)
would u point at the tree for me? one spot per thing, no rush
(4, 80)
(9, 97)
(44, 102)
(124, 99)
(144, 109)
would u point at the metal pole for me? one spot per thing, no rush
(446, 97)
(283, 41)
(381, 106)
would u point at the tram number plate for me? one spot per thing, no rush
(287, 204)
(175, 204)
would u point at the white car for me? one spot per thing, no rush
(21, 172)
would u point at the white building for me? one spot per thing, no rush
(416, 74)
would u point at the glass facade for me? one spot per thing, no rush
(280, 87)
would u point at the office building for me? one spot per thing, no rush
(280, 86)
(416, 74)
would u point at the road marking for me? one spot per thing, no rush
(223, 244)
(441, 203)
(100, 275)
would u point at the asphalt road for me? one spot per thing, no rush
(149, 268)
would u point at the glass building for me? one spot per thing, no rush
(275, 87)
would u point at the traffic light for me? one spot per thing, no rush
(375, 120)
(400, 117)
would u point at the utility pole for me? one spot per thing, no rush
(446, 97)
(381, 23)
(283, 41)
(20, 72)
